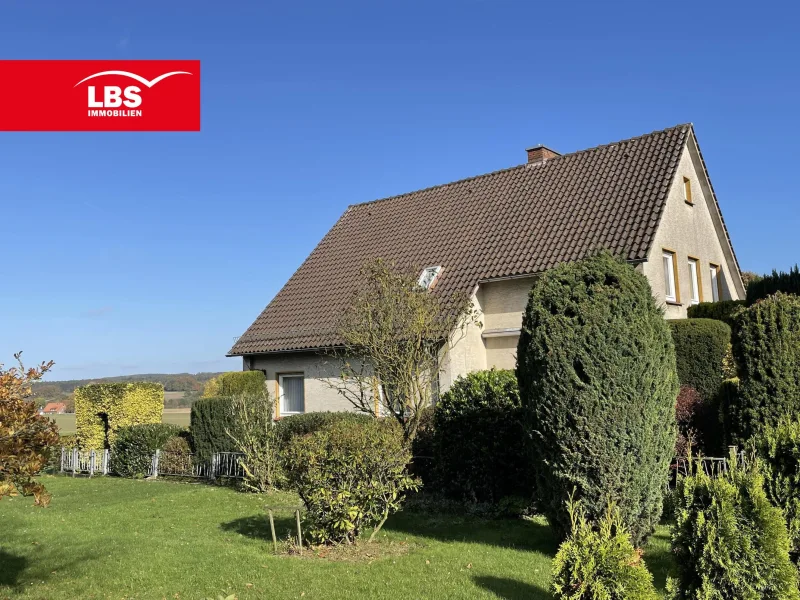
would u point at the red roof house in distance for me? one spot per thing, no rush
(54, 408)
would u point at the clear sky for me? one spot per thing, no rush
(148, 252)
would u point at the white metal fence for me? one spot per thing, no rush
(175, 464)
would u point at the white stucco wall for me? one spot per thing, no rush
(690, 230)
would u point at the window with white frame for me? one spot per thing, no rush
(428, 277)
(670, 272)
(715, 282)
(292, 394)
(694, 280)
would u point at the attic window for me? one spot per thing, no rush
(687, 190)
(428, 277)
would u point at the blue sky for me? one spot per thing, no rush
(148, 252)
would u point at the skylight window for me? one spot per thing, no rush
(428, 277)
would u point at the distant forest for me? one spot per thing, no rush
(181, 389)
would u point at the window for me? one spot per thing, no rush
(292, 394)
(428, 277)
(695, 280)
(670, 277)
(687, 190)
(716, 283)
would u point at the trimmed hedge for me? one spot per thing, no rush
(766, 345)
(134, 446)
(700, 348)
(480, 439)
(724, 310)
(237, 383)
(728, 540)
(596, 370)
(123, 404)
(209, 420)
(298, 425)
(777, 281)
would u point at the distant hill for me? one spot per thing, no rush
(184, 387)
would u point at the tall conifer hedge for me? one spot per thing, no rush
(596, 369)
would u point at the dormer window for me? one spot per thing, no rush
(428, 277)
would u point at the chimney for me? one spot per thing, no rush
(539, 154)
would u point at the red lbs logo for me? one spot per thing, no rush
(142, 95)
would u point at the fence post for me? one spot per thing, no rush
(91, 463)
(75, 457)
(299, 533)
(213, 473)
(155, 463)
(105, 461)
(63, 452)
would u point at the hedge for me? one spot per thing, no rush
(596, 370)
(209, 421)
(123, 404)
(298, 425)
(766, 345)
(700, 348)
(480, 449)
(777, 281)
(723, 310)
(134, 447)
(241, 382)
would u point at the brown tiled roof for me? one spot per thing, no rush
(54, 407)
(517, 221)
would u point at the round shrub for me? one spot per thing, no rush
(479, 438)
(779, 450)
(596, 370)
(766, 345)
(728, 540)
(133, 449)
(599, 561)
(350, 475)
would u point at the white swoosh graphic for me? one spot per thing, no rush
(138, 78)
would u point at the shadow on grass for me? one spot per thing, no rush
(659, 559)
(11, 566)
(511, 589)
(519, 534)
(257, 527)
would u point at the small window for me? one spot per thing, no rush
(695, 280)
(292, 392)
(687, 190)
(670, 276)
(716, 283)
(428, 277)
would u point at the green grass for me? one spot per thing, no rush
(179, 416)
(117, 538)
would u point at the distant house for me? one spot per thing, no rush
(648, 199)
(54, 408)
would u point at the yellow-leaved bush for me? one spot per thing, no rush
(102, 408)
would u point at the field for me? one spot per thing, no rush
(118, 538)
(179, 416)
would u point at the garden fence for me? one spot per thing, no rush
(176, 464)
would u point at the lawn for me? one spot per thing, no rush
(179, 416)
(118, 538)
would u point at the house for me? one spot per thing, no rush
(54, 408)
(648, 199)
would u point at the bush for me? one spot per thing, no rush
(766, 346)
(687, 408)
(255, 436)
(479, 439)
(777, 281)
(176, 456)
(779, 449)
(350, 475)
(700, 349)
(600, 562)
(596, 370)
(728, 540)
(132, 453)
(300, 425)
(237, 383)
(101, 409)
(724, 310)
(210, 419)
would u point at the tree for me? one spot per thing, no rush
(396, 338)
(255, 435)
(25, 437)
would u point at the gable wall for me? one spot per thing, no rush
(689, 230)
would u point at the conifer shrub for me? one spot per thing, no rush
(599, 562)
(728, 540)
(210, 419)
(724, 310)
(480, 450)
(134, 446)
(779, 450)
(350, 475)
(700, 349)
(777, 281)
(596, 370)
(766, 345)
